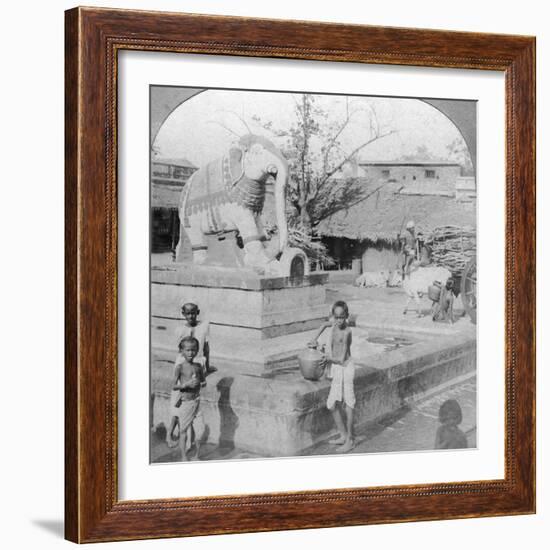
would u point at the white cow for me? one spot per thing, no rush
(416, 284)
(373, 279)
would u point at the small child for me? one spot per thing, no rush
(341, 397)
(449, 435)
(199, 330)
(185, 399)
(443, 310)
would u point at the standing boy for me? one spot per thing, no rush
(186, 385)
(199, 330)
(341, 397)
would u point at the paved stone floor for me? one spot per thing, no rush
(410, 429)
(414, 428)
(383, 308)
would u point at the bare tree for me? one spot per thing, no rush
(458, 151)
(318, 157)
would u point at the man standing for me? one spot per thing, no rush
(409, 248)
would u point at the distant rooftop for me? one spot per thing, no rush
(183, 162)
(407, 163)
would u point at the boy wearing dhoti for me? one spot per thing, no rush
(189, 377)
(199, 330)
(341, 397)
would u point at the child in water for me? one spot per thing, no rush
(341, 397)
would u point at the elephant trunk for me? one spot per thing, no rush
(280, 205)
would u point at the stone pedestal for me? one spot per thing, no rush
(279, 413)
(252, 318)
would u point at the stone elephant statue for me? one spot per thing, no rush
(228, 194)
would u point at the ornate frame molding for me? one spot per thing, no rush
(93, 39)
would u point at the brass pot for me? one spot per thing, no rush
(434, 291)
(312, 364)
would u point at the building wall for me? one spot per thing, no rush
(373, 256)
(466, 191)
(443, 176)
(165, 219)
(378, 258)
(168, 173)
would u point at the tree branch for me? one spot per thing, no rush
(224, 127)
(353, 153)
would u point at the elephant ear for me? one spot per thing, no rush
(248, 140)
(236, 169)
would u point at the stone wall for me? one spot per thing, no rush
(284, 415)
(377, 259)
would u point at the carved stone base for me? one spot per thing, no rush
(239, 304)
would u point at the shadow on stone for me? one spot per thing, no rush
(229, 421)
(371, 429)
(160, 452)
(409, 387)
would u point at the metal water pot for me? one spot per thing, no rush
(312, 363)
(434, 291)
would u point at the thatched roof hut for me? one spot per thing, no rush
(383, 215)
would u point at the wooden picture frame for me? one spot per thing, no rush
(93, 511)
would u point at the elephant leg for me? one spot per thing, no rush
(254, 254)
(197, 239)
(254, 251)
(260, 229)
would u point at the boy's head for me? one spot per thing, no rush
(450, 413)
(190, 312)
(189, 347)
(340, 312)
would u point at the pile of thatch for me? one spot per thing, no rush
(452, 247)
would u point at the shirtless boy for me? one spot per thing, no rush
(185, 400)
(341, 397)
(449, 435)
(192, 326)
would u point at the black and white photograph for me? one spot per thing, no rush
(312, 274)
(286, 259)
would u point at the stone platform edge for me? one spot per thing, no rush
(212, 277)
(301, 395)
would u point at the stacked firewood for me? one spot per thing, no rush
(452, 247)
(312, 246)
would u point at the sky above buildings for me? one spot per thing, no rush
(202, 127)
